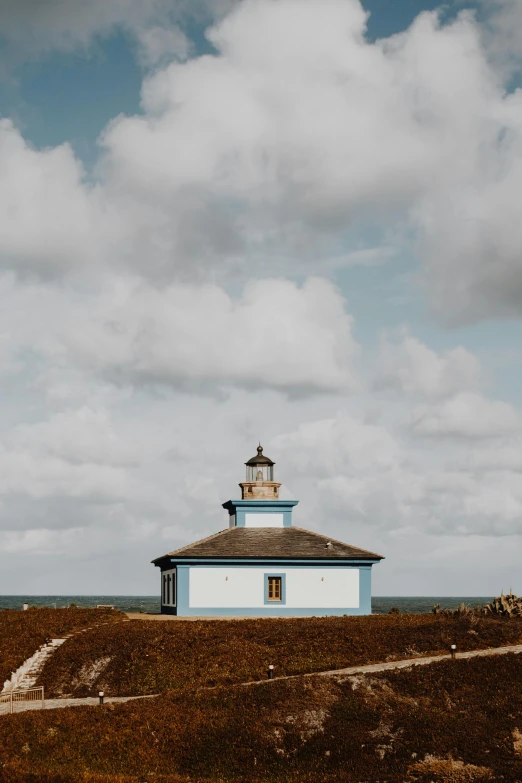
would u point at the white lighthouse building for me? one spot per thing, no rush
(263, 566)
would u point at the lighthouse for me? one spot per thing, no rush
(261, 565)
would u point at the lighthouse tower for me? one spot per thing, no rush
(260, 505)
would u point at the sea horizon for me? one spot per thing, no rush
(408, 604)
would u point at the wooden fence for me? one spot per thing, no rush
(17, 701)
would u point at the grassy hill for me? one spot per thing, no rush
(457, 721)
(451, 721)
(21, 633)
(141, 657)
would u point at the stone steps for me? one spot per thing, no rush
(26, 676)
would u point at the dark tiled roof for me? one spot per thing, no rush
(262, 542)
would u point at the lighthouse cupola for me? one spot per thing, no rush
(260, 484)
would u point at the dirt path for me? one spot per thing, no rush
(90, 701)
(372, 668)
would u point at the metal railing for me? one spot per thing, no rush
(31, 699)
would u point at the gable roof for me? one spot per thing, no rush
(261, 542)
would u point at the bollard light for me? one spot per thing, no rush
(453, 650)
(271, 671)
(101, 695)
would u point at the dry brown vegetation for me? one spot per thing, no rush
(143, 657)
(509, 605)
(21, 633)
(450, 721)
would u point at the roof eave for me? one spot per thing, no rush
(262, 558)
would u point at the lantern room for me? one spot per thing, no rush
(259, 468)
(260, 484)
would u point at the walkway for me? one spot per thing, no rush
(90, 701)
(375, 668)
(372, 668)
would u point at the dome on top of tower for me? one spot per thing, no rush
(260, 458)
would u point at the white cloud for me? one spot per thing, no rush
(412, 367)
(332, 445)
(159, 43)
(502, 33)
(50, 221)
(275, 145)
(24, 473)
(502, 458)
(466, 415)
(32, 28)
(364, 483)
(471, 237)
(297, 143)
(278, 141)
(277, 335)
(78, 437)
(274, 334)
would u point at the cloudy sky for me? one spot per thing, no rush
(294, 221)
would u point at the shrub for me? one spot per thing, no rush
(392, 727)
(142, 657)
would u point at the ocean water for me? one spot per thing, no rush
(151, 603)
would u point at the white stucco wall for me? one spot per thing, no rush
(243, 588)
(264, 520)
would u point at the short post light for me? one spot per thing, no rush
(271, 671)
(453, 649)
(101, 695)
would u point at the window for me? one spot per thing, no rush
(274, 588)
(168, 588)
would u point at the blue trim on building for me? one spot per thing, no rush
(238, 509)
(249, 503)
(286, 563)
(274, 610)
(282, 602)
(365, 589)
(270, 608)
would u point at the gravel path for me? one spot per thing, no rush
(90, 701)
(373, 668)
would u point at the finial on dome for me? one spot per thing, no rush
(259, 449)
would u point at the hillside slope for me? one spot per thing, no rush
(455, 720)
(143, 657)
(21, 633)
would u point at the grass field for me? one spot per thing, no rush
(141, 657)
(450, 721)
